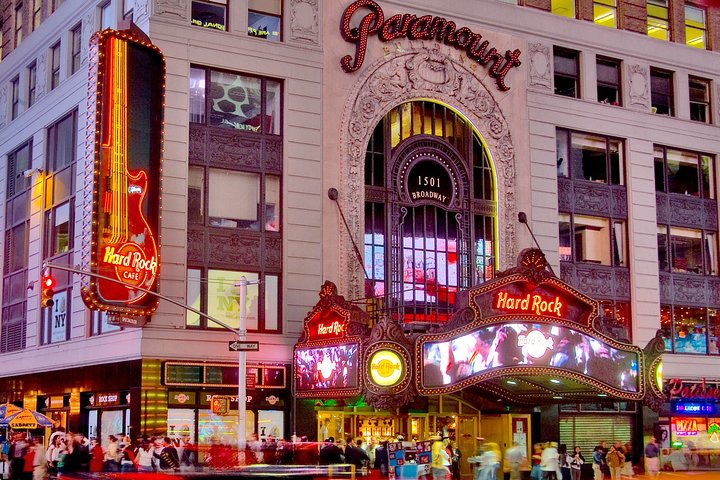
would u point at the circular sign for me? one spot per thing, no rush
(429, 180)
(387, 368)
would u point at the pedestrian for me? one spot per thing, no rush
(549, 462)
(96, 456)
(514, 456)
(16, 454)
(28, 460)
(355, 455)
(40, 471)
(144, 457)
(536, 473)
(168, 459)
(576, 463)
(440, 459)
(455, 456)
(381, 458)
(627, 470)
(110, 460)
(128, 462)
(651, 458)
(564, 460)
(615, 460)
(330, 454)
(597, 463)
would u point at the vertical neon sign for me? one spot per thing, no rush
(127, 168)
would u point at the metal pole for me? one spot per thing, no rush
(242, 373)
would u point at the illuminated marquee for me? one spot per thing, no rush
(529, 304)
(685, 427)
(128, 98)
(421, 28)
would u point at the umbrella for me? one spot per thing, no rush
(27, 420)
(8, 409)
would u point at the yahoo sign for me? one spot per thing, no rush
(421, 28)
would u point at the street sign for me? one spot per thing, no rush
(126, 320)
(238, 346)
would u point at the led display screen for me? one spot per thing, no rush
(448, 362)
(330, 367)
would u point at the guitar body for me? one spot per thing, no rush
(132, 259)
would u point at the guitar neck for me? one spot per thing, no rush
(118, 184)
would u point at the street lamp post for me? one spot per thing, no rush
(242, 370)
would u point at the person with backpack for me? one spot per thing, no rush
(168, 459)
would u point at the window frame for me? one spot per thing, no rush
(617, 86)
(668, 262)
(617, 258)
(669, 329)
(611, 13)
(55, 62)
(217, 4)
(614, 174)
(14, 97)
(690, 26)
(706, 102)
(554, 7)
(32, 84)
(18, 32)
(75, 48)
(668, 76)
(568, 54)
(279, 17)
(36, 15)
(666, 19)
(703, 182)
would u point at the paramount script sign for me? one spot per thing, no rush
(421, 28)
(676, 388)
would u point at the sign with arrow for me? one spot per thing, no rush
(238, 346)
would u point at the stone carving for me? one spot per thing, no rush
(594, 280)
(405, 75)
(619, 202)
(87, 31)
(272, 155)
(231, 149)
(41, 76)
(685, 210)
(304, 21)
(227, 248)
(273, 252)
(591, 197)
(178, 8)
(540, 70)
(140, 10)
(689, 289)
(565, 195)
(665, 288)
(713, 292)
(639, 86)
(196, 242)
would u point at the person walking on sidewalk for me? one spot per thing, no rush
(651, 458)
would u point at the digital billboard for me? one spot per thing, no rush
(449, 362)
(327, 370)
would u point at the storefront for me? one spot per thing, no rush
(520, 343)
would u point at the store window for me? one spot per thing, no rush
(265, 19)
(608, 81)
(18, 24)
(237, 101)
(564, 8)
(684, 172)
(32, 84)
(214, 292)
(605, 13)
(566, 77)
(695, 27)
(14, 98)
(585, 156)
(426, 236)
(661, 92)
(13, 323)
(685, 250)
(54, 66)
(36, 14)
(657, 19)
(699, 99)
(690, 329)
(76, 48)
(210, 14)
(592, 240)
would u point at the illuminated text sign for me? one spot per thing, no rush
(694, 408)
(386, 368)
(335, 328)
(678, 389)
(421, 28)
(686, 427)
(529, 304)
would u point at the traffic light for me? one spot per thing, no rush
(47, 293)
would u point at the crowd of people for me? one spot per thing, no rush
(553, 462)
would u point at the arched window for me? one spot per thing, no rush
(430, 211)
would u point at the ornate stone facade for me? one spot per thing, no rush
(304, 21)
(540, 71)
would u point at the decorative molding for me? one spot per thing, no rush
(178, 8)
(686, 211)
(401, 76)
(41, 75)
(226, 248)
(639, 85)
(88, 28)
(540, 71)
(140, 10)
(597, 281)
(3, 104)
(304, 21)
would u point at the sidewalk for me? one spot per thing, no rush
(711, 475)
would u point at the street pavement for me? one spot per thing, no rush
(681, 476)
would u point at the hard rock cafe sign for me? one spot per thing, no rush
(128, 98)
(425, 27)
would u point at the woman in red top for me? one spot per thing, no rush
(96, 456)
(29, 456)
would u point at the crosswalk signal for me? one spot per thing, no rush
(47, 292)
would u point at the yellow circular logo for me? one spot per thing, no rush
(387, 368)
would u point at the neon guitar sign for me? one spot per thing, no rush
(127, 162)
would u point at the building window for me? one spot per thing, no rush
(605, 13)
(128, 7)
(76, 46)
(107, 15)
(54, 66)
(567, 80)
(608, 81)
(36, 14)
(240, 102)
(616, 320)
(14, 98)
(15, 279)
(684, 172)
(564, 8)
(661, 91)
(57, 319)
(215, 292)
(585, 156)
(592, 240)
(210, 14)
(18, 24)
(32, 84)
(99, 323)
(59, 231)
(699, 99)
(264, 19)
(55, 4)
(657, 19)
(685, 250)
(695, 27)
(690, 329)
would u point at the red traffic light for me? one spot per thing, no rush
(48, 281)
(46, 291)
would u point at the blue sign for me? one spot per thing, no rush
(691, 408)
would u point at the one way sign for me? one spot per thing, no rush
(238, 346)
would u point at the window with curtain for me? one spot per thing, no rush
(684, 172)
(54, 65)
(699, 99)
(76, 47)
(592, 240)
(608, 81)
(32, 84)
(661, 92)
(586, 156)
(567, 73)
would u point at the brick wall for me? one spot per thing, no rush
(540, 4)
(677, 20)
(714, 27)
(633, 16)
(585, 10)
